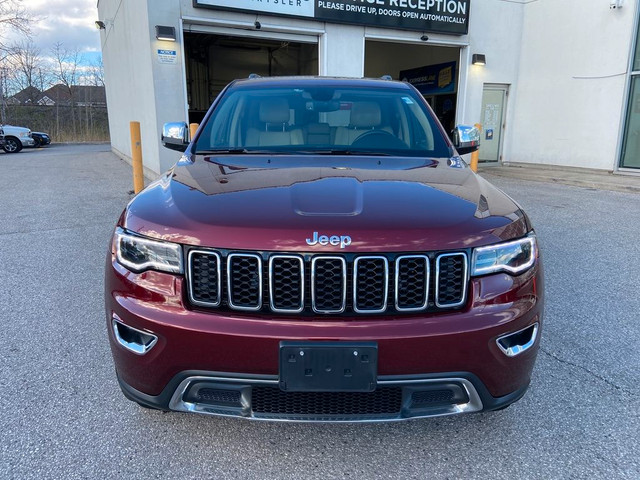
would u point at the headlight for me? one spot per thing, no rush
(512, 257)
(139, 254)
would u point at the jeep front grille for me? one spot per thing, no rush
(327, 285)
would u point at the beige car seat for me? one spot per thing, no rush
(365, 116)
(275, 114)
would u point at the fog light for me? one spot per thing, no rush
(518, 342)
(132, 339)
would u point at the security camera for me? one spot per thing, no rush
(257, 25)
(615, 4)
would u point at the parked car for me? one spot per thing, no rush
(15, 138)
(40, 139)
(321, 252)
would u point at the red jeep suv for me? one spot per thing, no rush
(322, 253)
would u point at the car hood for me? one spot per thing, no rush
(274, 202)
(14, 128)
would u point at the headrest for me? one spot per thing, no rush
(274, 110)
(365, 115)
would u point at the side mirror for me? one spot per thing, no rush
(466, 139)
(175, 135)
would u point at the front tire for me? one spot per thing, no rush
(37, 143)
(12, 145)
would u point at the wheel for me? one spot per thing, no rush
(37, 143)
(12, 145)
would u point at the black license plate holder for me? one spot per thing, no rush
(328, 366)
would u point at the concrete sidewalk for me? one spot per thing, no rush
(579, 177)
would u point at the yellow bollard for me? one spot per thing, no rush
(475, 156)
(136, 156)
(192, 130)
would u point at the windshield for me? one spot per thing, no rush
(323, 120)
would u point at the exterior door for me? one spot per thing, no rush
(494, 101)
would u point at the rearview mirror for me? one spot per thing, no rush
(175, 135)
(466, 139)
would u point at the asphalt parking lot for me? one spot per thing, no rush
(62, 414)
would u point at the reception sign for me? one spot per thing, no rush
(442, 16)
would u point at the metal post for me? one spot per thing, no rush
(193, 127)
(136, 156)
(475, 156)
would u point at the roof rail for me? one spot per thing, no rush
(386, 77)
(254, 75)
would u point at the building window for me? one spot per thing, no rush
(630, 157)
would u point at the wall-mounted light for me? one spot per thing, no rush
(479, 59)
(166, 33)
(100, 25)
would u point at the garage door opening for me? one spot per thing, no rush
(212, 61)
(433, 70)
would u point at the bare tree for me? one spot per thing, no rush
(28, 69)
(67, 73)
(96, 73)
(13, 17)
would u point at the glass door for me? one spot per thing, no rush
(631, 143)
(630, 157)
(494, 99)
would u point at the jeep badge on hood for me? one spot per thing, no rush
(335, 240)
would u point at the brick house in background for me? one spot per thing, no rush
(82, 96)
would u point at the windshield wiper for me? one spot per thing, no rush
(337, 152)
(227, 150)
(370, 153)
(241, 151)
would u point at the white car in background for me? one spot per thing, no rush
(15, 138)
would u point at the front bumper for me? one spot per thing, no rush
(258, 397)
(455, 354)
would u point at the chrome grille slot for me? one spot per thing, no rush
(244, 281)
(286, 283)
(370, 284)
(451, 279)
(205, 274)
(412, 283)
(328, 284)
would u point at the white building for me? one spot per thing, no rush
(561, 83)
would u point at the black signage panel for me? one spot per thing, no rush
(442, 16)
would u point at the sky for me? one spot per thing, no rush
(70, 22)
